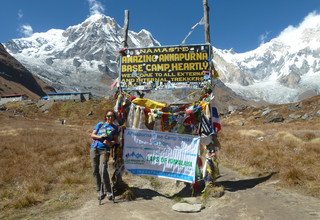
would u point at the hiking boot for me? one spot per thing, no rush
(101, 196)
(109, 195)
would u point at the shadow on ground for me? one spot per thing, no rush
(184, 192)
(146, 194)
(233, 186)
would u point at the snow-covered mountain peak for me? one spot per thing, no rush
(95, 17)
(96, 20)
(289, 62)
(45, 35)
(292, 39)
(85, 57)
(82, 57)
(306, 34)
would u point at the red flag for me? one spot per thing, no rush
(114, 84)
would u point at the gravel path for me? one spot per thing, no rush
(244, 198)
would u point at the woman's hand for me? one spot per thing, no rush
(103, 136)
(110, 143)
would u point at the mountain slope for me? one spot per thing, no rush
(283, 70)
(83, 57)
(15, 78)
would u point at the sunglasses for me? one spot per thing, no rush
(109, 116)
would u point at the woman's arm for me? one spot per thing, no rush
(95, 136)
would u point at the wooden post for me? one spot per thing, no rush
(125, 41)
(207, 33)
(125, 27)
(206, 21)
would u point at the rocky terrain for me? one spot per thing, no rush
(245, 198)
(269, 161)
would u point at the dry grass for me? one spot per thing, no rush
(78, 111)
(41, 159)
(291, 148)
(212, 191)
(43, 162)
(45, 165)
(251, 133)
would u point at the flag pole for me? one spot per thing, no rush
(126, 28)
(206, 21)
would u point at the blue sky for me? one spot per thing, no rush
(238, 24)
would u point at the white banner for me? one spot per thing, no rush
(162, 154)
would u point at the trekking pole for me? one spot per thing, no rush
(110, 179)
(112, 191)
(101, 193)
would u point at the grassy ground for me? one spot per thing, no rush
(43, 162)
(45, 167)
(290, 148)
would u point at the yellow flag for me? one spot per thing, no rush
(215, 73)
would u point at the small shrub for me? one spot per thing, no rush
(128, 195)
(309, 136)
(212, 191)
(251, 133)
(24, 201)
(154, 182)
(72, 179)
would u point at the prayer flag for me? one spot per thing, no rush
(215, 119)
(114, 84)
(206, 127)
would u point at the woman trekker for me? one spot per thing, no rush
(105, 136)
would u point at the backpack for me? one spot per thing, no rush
(94, 142)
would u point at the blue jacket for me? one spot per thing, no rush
(103, 128)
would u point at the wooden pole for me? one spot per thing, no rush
(125, 27)
(206, 21)
(207, 31)
(116, 172)
(125, 40)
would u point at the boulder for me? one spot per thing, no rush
(187, 208)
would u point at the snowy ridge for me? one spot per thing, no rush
(83, 57)
(278, 71)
